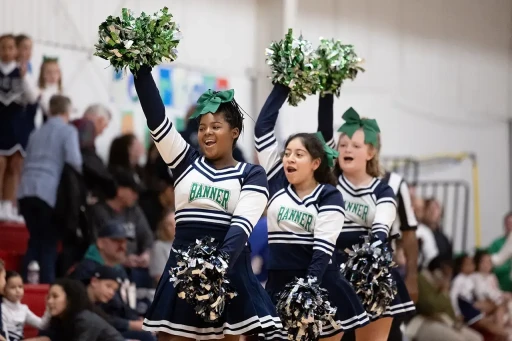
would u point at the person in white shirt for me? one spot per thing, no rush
(16, 315)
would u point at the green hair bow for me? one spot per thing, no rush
(330, 153)
(211, 100)
(353, 123)
(50, 59)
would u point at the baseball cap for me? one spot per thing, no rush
(113, 229)
(127, 178)
(107, 272)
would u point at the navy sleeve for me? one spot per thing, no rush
(177, 153)
(326, 118)
(251, 204)
(328, 225)
(385, 213)
(269, 154)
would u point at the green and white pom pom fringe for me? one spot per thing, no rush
(293, 63)
(129, 42)
(337, 62)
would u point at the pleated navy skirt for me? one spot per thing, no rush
(350, 313)
(250, 312)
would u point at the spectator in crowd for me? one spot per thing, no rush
(98, 180)
(503, 271)
(15, 315)
(158, 196)
(479, 314)
(190, 135)
(110, 250)
(486, 286)
(50, 84)
(436, 318)
(103, 285)
(124, 208)
(426, 240)
(49, 149)
(2, 286)
(73, 316)
(24, 46)
(432, 218)
(125, 153)
(16, 91)
(163, 245)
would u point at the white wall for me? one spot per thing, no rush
(438, 72)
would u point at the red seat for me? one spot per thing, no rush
(12, 260)
(14, 237)
(35, 298)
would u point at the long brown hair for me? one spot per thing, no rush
(45, 63)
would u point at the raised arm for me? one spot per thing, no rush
(251, 204)
(267, 147)
(331, 215)
(326, 118)
(172, 147)
(385, 213)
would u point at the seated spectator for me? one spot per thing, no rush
(487, 287)
(73, 316)
(504, 270)
(476, 313)
(436, 318)
(163, 245)
(432, 218)
(124, 208)
(110, 250)
(50, 148)
(158, 196)
(125, 153)
(16, 315)
(98, 180)
(103, 285)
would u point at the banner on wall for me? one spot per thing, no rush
(179, 89)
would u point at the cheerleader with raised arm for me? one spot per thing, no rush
(305, 217)
(229, 215)
(370, 204)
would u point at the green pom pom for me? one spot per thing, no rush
(129, 42)
(337, 62)
(293, 63)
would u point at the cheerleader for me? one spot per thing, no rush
(305, 217)
(370, 204)
(15, 92)
(215, 196)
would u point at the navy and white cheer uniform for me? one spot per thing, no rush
(15, 93)
(302, 232)
(222, 203)
(369, 208)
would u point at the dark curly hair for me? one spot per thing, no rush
(234, 116)
(323, 174)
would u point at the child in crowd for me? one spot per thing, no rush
(15, 314)
(480, 314)
(49, 83)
